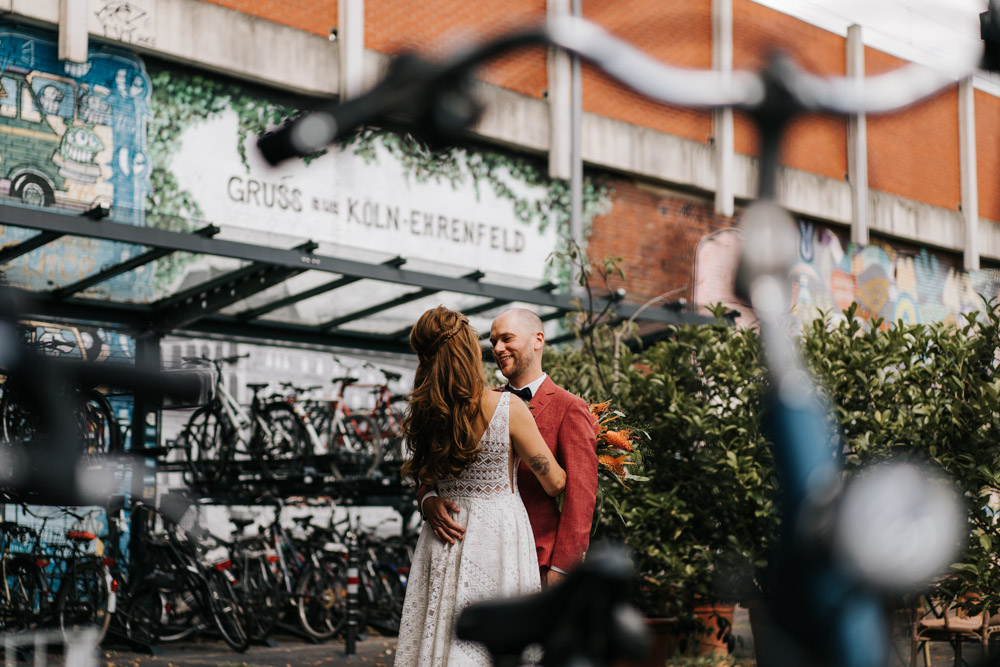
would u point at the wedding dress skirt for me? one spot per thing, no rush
(495, 559)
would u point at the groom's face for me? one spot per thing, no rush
(513, 346)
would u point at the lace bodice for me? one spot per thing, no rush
(489, 475)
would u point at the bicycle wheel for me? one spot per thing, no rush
(321, 598)
(389, 593)
(280, 452)
(19, 424)
(227, 613)
(22, 600)
(356, 443)
(181, 618)
(259, 598)
(144, 616)
(202, 437)
(84, 597)
(100, 430)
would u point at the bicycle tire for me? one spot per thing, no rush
(282, 451)
(182, 618)
(389, 594)
(144, 616)
(23, 597)
(259, 599)
(226, 611)
(356, 443)
(202, 437)
(101, 432)
(19, 424)
(321, 599)
(84, 598)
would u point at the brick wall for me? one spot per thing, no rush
(315, 16)
(988, 154)
(437, 27)
(656, 234)
(678, 32)
(815, 143)
(914, 153)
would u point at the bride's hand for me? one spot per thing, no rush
(437, 512)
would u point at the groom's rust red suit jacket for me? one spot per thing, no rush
(561, 538)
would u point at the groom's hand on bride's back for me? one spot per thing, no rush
(438, 513)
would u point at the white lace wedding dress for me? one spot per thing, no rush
(496, 558)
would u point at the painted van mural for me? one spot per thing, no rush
(72, 136)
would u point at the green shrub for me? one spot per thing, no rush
(704, 522)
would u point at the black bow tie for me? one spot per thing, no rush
(524, 393)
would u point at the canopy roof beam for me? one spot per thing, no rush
(391, 303)
(214, 295)
(27, 245)
(254, 313)
(118, 269)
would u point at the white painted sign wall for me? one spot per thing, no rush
(342, 199)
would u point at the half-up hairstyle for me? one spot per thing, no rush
(446, 403)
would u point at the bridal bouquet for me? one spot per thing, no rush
(618, 454)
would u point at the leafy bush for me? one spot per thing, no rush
(703, 524)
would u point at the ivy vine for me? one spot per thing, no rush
(460, 167)
(181, 99)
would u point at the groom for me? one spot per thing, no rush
(561, 537)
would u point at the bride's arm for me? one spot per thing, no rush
(531, 448)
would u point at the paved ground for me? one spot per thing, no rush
(290, 651)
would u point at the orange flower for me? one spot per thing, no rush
(597, 408)
(615, 464)
(619, 439)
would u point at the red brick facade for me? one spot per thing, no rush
(914, 154)
(656, 235)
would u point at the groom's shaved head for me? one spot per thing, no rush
(518, 337)
(527, 319)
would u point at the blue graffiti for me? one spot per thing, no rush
(73, 136)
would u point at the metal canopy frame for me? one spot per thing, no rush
(196, 310)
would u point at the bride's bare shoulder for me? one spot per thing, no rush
(489, 401)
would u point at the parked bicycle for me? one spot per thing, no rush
(387, 414)
(352, 439)
(268, 433)
(182, 590)
(384, 568)
(310, 574)
(55, 574)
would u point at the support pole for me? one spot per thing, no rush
(560, 99)
(967, 162)
(722, 120)
(857, 143)
(576, 150)
(350, 637)
(351, 47)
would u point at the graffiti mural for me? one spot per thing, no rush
(886, 282)
(72, 136)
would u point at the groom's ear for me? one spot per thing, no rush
(539, 340)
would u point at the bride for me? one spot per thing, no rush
(466, 441)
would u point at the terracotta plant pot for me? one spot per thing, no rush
(664, 641)
(714, 617)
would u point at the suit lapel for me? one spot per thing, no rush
(541, 400)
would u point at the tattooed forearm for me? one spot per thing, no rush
(539, 464)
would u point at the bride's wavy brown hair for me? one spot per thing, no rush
(446, 403)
